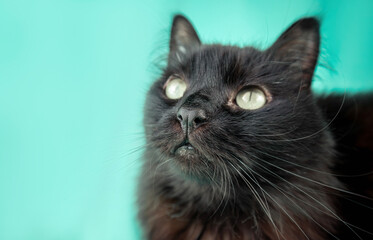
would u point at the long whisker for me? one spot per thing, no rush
(322, 129)
(287, 196)
(314, 181)
(260, 201)
(290, 217)
(323, 205)
(223, 180)
(312, 169)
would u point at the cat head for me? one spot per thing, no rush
(220, 109)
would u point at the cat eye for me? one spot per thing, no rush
(175, 88)
(251, 98)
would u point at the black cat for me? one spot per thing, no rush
(238, 146)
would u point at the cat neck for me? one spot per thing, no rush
(181, 205)
(176, 208)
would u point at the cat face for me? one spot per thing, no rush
(224, 109)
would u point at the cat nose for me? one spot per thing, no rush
(191, 119)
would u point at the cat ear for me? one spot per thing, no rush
(183, 37)
(299, 46)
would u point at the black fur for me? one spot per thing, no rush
(268, 173)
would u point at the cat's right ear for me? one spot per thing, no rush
(299, 47)
(183, 37)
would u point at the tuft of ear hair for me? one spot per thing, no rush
(183, 37)
(299, 46)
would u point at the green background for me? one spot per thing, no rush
(73, 77)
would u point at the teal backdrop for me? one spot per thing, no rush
(73, 78)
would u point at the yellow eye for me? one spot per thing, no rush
(175, 88)
(251, 98)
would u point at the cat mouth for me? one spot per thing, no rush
(187, 158)
(184, 149)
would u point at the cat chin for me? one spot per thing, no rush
(189, 171)
(187, 162)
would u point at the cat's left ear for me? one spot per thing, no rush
(183, 37)
(299, 47)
